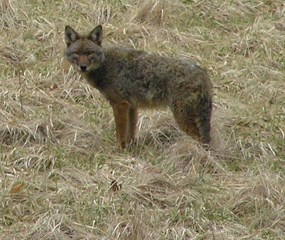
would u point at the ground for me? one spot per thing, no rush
(62, 175)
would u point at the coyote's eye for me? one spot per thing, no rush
(91, 57)
(74, 58)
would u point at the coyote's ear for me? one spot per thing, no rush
(96, 35)
(70, 35)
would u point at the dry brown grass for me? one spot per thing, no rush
(61, 174)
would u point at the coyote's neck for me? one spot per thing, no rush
(96, 77)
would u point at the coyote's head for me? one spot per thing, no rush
(84, 52)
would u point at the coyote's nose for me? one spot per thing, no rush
(83, 68)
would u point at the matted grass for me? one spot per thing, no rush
(62, 175)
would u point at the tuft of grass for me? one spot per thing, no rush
(62, 175)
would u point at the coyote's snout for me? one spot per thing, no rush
(131, 79)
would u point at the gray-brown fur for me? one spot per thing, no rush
(131, 80)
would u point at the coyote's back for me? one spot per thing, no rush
(131, 79)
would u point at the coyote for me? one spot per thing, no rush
(131, 79)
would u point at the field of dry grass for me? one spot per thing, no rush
(62, 175)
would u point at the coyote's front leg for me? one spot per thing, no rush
(120, 111)
(132, 124)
